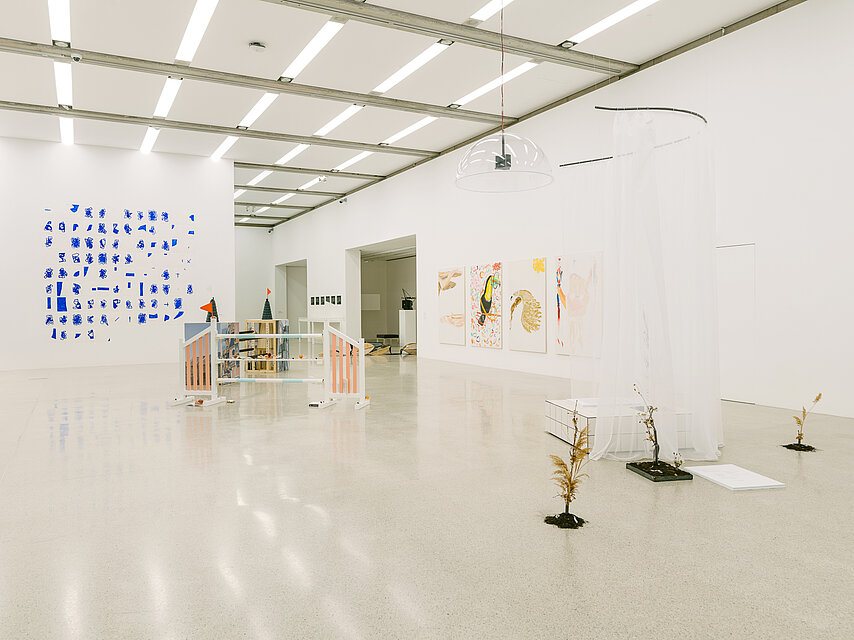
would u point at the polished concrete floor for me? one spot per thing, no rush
(420, 517)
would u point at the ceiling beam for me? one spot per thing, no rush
(318, 172)
(209, 128)
(254, 226)
(690, 46)
(237, 80)
(303, 192)
(433, 27)
(258, 205)
(253, 216)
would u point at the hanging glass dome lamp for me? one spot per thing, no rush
(503, 162)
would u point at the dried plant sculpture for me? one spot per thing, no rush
(568, 477)
(648, 421)
(531, 315)
(800, 421)
(657, 471)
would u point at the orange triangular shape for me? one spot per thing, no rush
(207, 307)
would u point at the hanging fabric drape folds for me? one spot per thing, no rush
(660, 308)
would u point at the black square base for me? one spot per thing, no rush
(661, 472)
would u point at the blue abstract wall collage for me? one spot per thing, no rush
(106, 267)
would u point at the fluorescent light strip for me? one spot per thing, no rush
(202, 13)
(320, 40)
(262, 209)
(293, 153)
(309, 184)
(222, 148)
(239, 193)
(338, 120)
(261, 176)
(59, 12)
(244, 220)
(411, 67)
(150, 138)
(260, 107)
(489, 9)
(62, 77)
(489, 86)
(167, 97)
(66, 130)
(410, 129)
(353, 160)
(616, 17)
(287, 196)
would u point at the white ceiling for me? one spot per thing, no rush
(357, 59)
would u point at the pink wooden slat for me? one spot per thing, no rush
(207, 362)
(349, 368)
(355, 370)
(196, 364)
(187, 355)
(340, 365)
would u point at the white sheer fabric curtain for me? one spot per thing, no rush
(660, 308)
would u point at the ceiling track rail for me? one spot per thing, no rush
(160, 123)
(317, 172)
(690, 46)
(258, 205)
(302, 192)
(82, 56)
(433, 27)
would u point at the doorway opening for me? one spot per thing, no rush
(292, 293)
(389, 294)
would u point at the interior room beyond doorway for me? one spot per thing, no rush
(389, 297)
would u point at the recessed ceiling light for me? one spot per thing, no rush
(62, 77)
(150, 138)
(260, 107)
(320, 40)
(59, 12)
(412, 66)
(293, 153)
(223, 147)
(342, 117)
(410, 129)
(489, 9)
(66, 130)
(202, 13)
(618, 16)
(257, 47)
(167, 97)
(261, 176)
(493, 84)
(353, 160)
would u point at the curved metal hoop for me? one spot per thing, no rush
(672, 109)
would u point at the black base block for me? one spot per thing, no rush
(661, 472)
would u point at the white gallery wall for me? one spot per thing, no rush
(254, 272)
(40, 176)
(775, 94)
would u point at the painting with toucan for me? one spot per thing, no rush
(485, 305)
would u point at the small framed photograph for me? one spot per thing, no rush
(327, 299)
(312, 299)
(321, 299)
(338, 299)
